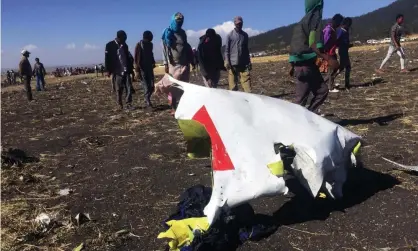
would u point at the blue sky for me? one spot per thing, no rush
(75, 32)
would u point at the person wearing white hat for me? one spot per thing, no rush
(25, 70)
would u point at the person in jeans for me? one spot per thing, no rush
(210, 58)
(177, 58)
(237, 57)
(145, 64)
(39, 72)
(330, 46)
(117, 63)
(343, 38)
(25, 70)
(305, 47)
(396, 33)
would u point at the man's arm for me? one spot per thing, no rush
(393, 36)
(165, 57)
(228, 48)
(43, 70)
(315, 35)
(200, 60)
(247, 49)
(152, 54)
(124, 57)
(21, 67)
(137, 57)
(164, 54)
(108, 59)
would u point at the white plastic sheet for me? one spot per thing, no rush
(244, 128)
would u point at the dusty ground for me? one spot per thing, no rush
(127, 170)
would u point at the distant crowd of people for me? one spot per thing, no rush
(313, 59)
(70, 71)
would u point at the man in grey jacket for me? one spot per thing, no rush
(237, 57)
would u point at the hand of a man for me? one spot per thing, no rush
(227, 66)
(249, 67)
(108, 74)
(166, 68)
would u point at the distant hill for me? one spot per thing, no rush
(375, 24)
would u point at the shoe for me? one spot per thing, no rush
(334, 90)
(129, 108)
(380, 71)
(404, 71)
(148, 104)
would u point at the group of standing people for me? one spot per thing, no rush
(178, 59)
(11, 77)
(99, 69)
(123, 67)
(313, 59)
(26, 73)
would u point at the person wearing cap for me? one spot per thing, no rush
(210, 58)
(117, 64)
(305, 47)
(25, 70)
(237, 57)
(177, 58)
(145, 64)
(39, 72)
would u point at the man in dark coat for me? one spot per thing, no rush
(117, 64)
(210, 58)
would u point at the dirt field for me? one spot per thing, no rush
(126, 170)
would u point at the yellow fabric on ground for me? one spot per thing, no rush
(180, 232)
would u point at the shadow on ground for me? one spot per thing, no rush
(16, 157)
(161, 108)
(370, 83)
(414, 69)
(382, 120)
(280, 95)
